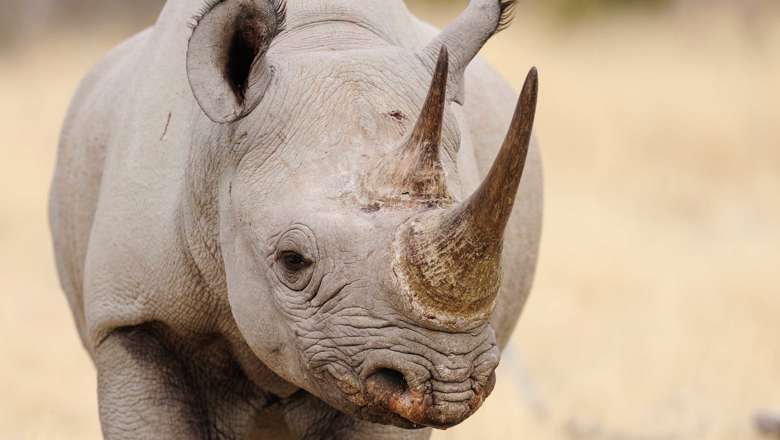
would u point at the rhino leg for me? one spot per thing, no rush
(150, 388)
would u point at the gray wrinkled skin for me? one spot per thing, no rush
(170, 232)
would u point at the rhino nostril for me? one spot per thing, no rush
(389, 389)
(387, 381)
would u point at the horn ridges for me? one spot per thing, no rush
(448, 261)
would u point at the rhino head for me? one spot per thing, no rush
(354, 265)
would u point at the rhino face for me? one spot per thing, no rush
(317, 299)
(354, 270)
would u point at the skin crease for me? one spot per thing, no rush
(170, 231)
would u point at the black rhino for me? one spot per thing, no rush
(291, 220)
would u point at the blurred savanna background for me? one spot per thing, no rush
(656, 312)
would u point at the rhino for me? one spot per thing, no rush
(297, 220)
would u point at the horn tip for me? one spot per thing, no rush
(530, 88)
(444, 58)
(532, 79)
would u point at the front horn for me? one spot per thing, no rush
(448, 262)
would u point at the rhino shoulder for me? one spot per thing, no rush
(79, 170)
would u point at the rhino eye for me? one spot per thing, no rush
(296, 253)
(293, 270)
(294, 262)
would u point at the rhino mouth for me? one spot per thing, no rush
(393, 372)
(388, 399)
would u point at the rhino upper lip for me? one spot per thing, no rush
(442, 408)
(465, 396)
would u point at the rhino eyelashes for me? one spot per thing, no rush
(296, 258)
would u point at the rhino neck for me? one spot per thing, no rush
(198, 210)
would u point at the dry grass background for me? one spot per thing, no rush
(656, 314)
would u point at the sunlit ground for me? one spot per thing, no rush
(656, 314)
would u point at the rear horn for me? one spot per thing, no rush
(414, 172)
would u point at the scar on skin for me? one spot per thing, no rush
(167, 124)
(373, 207)
(397, 115)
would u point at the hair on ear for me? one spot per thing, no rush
(507, 14)
(280, 9)
(226, 63)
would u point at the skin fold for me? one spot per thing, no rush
(231, 260)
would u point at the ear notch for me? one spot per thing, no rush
(226, 64)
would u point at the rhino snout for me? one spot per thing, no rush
(441, 398)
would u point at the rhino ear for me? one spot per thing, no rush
(226, 64)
